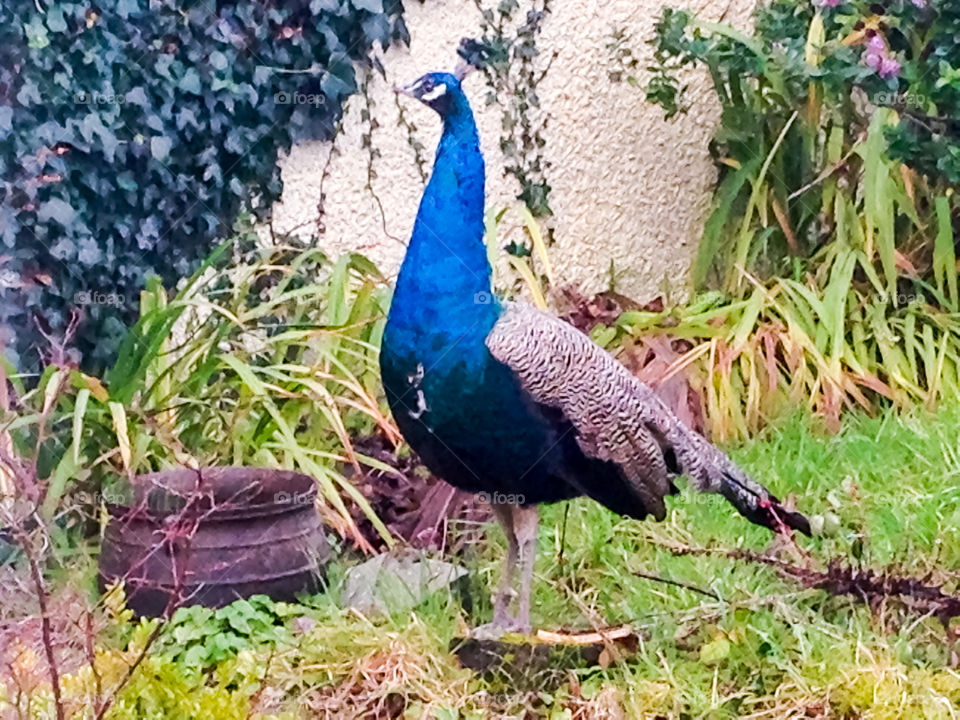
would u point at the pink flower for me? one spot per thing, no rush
(877, 57)
(889, 67)
(832, 3)
(920, 3)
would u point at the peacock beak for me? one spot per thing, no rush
(407, 90)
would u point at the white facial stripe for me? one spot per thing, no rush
(438, 91)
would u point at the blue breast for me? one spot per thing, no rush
(462, 411)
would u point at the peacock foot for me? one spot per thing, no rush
(498, 628)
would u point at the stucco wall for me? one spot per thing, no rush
(629, 189)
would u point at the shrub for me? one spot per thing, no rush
(267, 361)
(824, 96)
(132, 133)
(831, 236)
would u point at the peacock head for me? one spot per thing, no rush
(437, 90)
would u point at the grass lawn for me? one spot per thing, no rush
(762, 647)
(768, 647)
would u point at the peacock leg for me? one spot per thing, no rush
(525, 522)
(501, 601)
(503, 621)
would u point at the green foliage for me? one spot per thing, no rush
(268, 360)
(788, 343)
(806, 128)
(133, 133)
(513, 65)
(835, 254)
(198, 637)
(163, 689)
(766, 648)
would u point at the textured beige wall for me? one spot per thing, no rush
(628, 187)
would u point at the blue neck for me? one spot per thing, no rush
(445, 269)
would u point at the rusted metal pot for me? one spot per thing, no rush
(211, 536)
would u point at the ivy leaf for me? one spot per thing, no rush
(63, 249)
(6, 121)
(339, 80)
(55, 19)
(160, 146)
(89, 252)
(36, 33)
(218, 60)
(376, 28)
(181, 78)
(138, 97)
(57, 210)
(234, 142)
(154, 122)
(190, 82)
(126, 8)
(125, 181)
(9, 225)
(29, 94)
(373, 6)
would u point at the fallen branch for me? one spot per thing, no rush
(865, 585)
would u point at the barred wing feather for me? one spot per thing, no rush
(619, 419)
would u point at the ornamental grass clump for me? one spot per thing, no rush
(828, 258)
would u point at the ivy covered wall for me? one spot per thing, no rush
(133, 133)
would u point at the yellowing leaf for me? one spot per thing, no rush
(816, 36)
(539, 246)
(714, 651)
(119, 416)
(527, 274)
(96, 388)
(52, 390)
(78, 412)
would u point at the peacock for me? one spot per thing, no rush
(504, 399)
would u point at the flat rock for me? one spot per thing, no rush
(390, 583)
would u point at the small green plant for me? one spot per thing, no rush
(809, 110)
(530, 270)
(199, 637)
